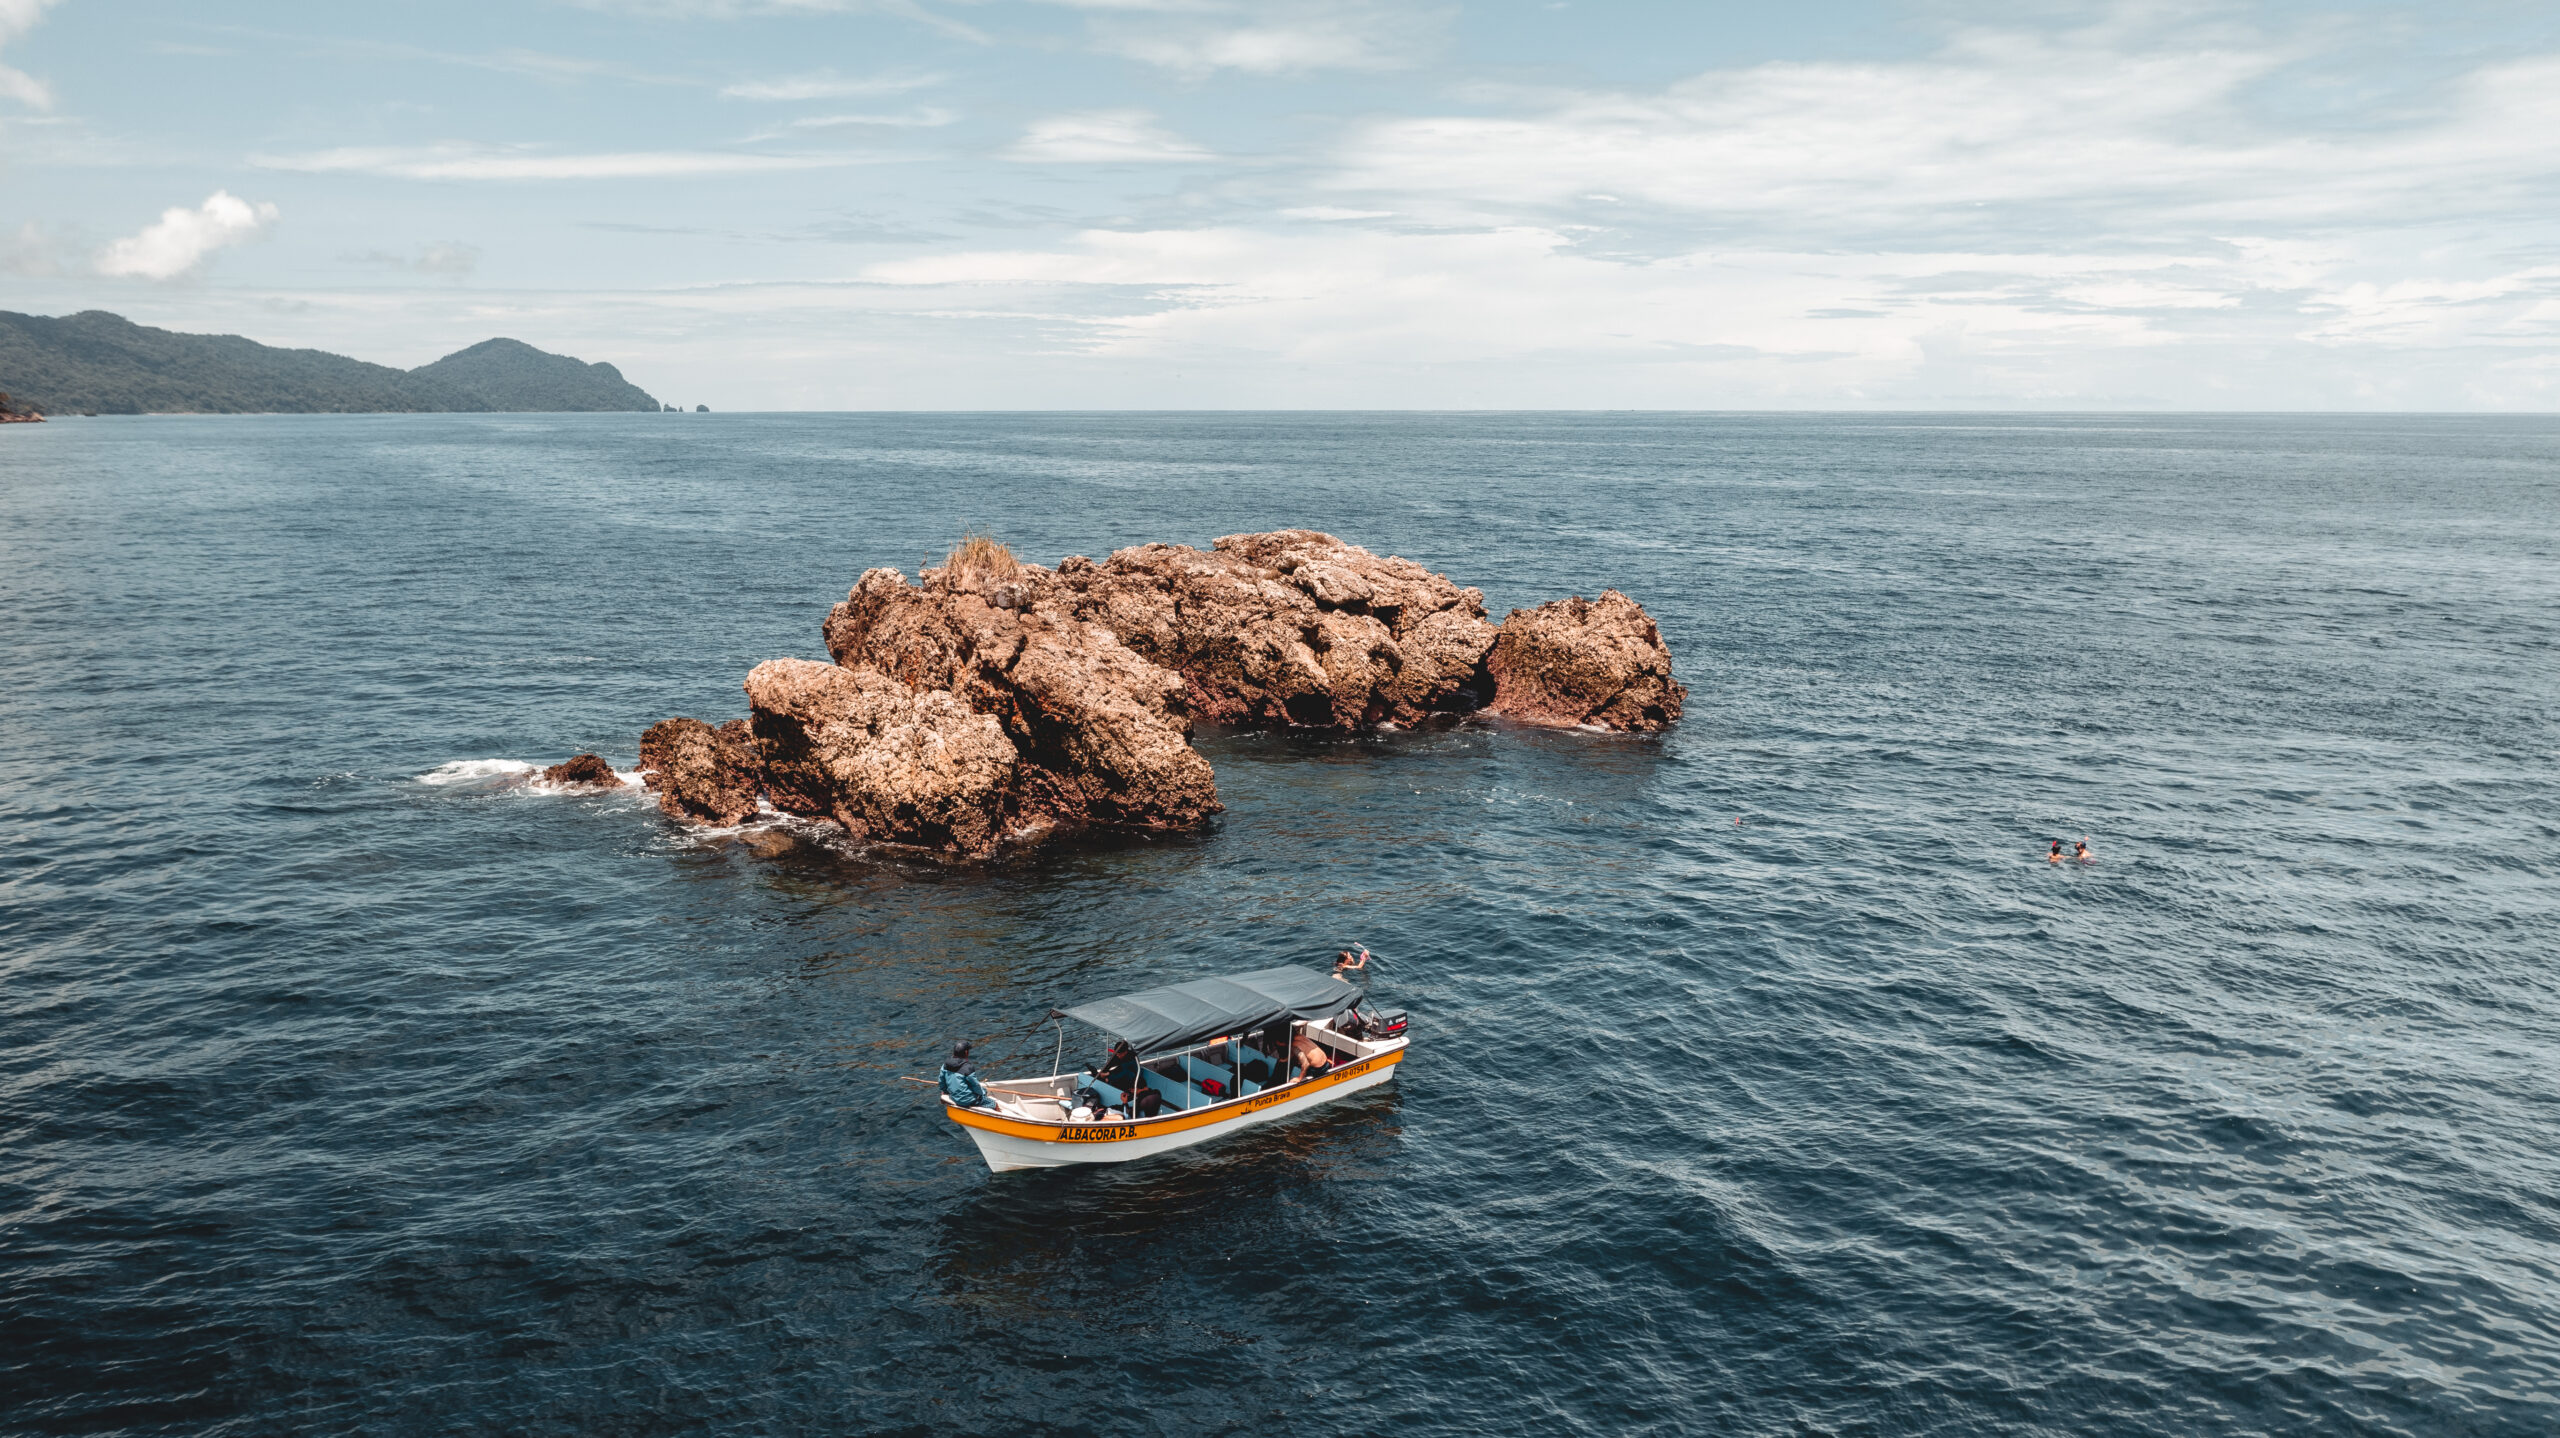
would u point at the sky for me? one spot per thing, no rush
(1271, 204)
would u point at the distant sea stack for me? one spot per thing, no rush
(99, 363)
(997, 703)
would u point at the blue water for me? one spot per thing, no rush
(334, 1101)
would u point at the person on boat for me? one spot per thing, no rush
(1312, 1057)
(2080, 851)
(1344, 965)
(1119, 1068)
(960, 1079)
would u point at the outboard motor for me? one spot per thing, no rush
(1387, 1023)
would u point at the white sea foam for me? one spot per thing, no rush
(476, 771)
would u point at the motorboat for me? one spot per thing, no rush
(1211, 1057)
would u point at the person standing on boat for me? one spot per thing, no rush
(960, 1079)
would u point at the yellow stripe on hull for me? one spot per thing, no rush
(1011, 1143)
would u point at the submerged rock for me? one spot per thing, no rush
(1585, 661)
(588, 769)
(703, 775)
(995, 701)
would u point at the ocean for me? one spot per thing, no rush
(1766, 1079)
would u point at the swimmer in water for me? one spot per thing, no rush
(2081, 851)
(2055, 856)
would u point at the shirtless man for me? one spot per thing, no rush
(1312, 1058)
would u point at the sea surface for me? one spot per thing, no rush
(1766, 1079)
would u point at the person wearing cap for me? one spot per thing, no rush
(1119, 1067)
(960, 1080)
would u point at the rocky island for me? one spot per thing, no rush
(996, 703)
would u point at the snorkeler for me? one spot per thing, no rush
(2081, 851)
(2055, 856)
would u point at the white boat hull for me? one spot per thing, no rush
(1010, 1143)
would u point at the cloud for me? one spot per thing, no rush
(1999, 133)
(17, 17)
(1102, 137)
(828, 85)
(1265, 37)
(1534, 313)
(450, 258)
(740, 9)
(485, 162)
(182, 239)
(923, 117)
(34, 250)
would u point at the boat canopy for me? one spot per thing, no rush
(1205, 1008)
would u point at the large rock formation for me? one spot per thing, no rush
(1292, 627)
(881, 758)
(1585, 661)
(995, 700)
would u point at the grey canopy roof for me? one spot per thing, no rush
(1205, 1008)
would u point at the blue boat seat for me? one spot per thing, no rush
(1109, 1094)
(1199, 1068)
(1177, 1093)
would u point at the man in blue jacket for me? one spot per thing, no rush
(960, 1080)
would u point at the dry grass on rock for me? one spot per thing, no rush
(979, 561)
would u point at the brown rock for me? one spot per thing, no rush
(886, 761)
(701, 774)
(1585, 661)
(1103, 734)
(997, 701)
(585, 769)
(1290, 627)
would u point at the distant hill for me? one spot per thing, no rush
(96, 362)
(513, 375)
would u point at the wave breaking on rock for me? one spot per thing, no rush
(994, 703)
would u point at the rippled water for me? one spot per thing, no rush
(332, 1100)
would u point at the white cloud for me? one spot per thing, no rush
(484, 162)
(1102, 137)
(923, 117)
(182, 239)
(1529, 306)
(33, 250)
(448, 257)
(2096, 133)
(828, 85)
(1266, 37)
(737, 9)
(17, 17)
